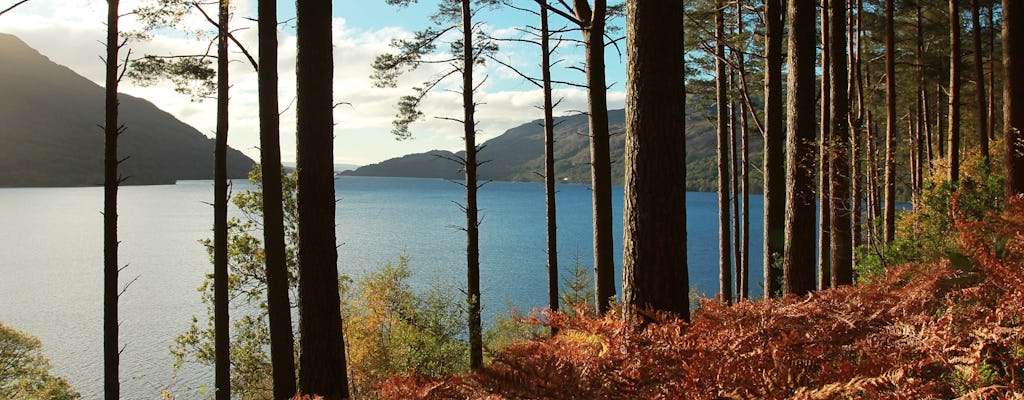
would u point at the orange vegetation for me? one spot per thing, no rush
(952, 329)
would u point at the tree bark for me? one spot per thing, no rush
(890, 125)
(654, 264)
(1013, 95)
(954, 90)
(222, 337)
(839, 170)
(322, 366)
(992, 72)
(798, 264)
(593, 20)
(981, 113)
(111, 181)
(721, 85)
(282, 358)
(774, 148)
(824, 161)
(476, 358)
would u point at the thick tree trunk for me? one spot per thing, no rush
(1013, 94)
(890, 125)
(549, 161)
(476, 357)
(824, 160)
(322, 367)
(798, 264)
(282, 358)
(839, 170)
(981, 113)
(721, 85)
(222, 323)
(992, 72)
(734, 180)
(654, 265)
(600, 153)
(774, 149)
(111, 180)
(954, 90)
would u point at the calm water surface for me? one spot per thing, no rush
(51, 259)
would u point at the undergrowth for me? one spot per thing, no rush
(950, 328)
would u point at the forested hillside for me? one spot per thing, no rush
(50, 134)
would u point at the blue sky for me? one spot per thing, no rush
(70, 32)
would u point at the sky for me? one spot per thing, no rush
(71, 33)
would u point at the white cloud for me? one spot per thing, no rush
(71, 33)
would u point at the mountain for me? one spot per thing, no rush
(518, 154)
(50, 134)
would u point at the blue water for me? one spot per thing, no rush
(51, 259)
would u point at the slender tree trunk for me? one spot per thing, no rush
(654, 272)
(856, 123)
(476, 357)
(600, 153)
(1013, 95)
(222, 337)
(322, 366)
(825, 156)
(873, 197)
(111, 180)
(940, 131)
(549, 160)
(734, 178)
(921, 105)
(922, 93)
(992, 72)
(774, 149)
(981, 113)
(724, 251)
(954, 90)
(282, 358)
(839, 170)
(890, 124)
(798, 264)
(744, 259)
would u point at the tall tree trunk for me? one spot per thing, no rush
(920, 106)
(549, 160)
(981, 113)
(476, 357)
(282, 357)
(940, 131)
(774, 148)
(744, 260)
(839, 170)
(825, 156)
(654, 272)
(798, 261)
(954, 90)
(992, 72)
(322, 366)
(1013, 95)
(721, 85)
(856, 123)
(600, 153)
(890, 124)
(873, 197)
(734, 180)
(111, 180)
(222, 338)
(922, 93)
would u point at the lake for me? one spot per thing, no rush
(51, 259)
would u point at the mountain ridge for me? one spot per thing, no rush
(517, 154)
(51, 135)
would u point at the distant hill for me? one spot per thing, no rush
(50, 135)
(518, 154)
